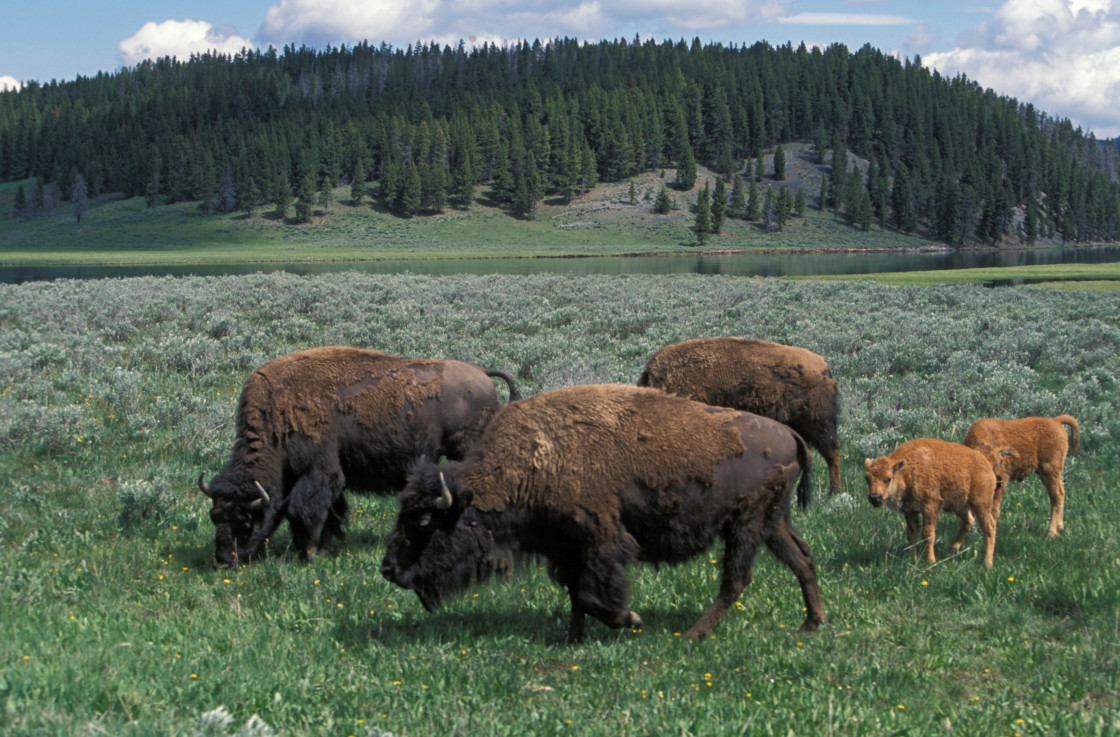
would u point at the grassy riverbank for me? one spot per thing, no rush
(1095, 277)
(119, 392)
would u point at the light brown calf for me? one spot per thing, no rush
(1040, 445)
(924, 476)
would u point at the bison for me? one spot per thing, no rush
(1040, 445)
(791, 385)
(594, 478)
(313, 422)
(924, 476)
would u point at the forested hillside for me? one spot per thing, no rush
(436, 127)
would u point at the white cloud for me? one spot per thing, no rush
(1061, 55)
(180, 39)
(9, 83)
(316, 22)
(847, 19)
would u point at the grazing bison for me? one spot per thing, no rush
(1040, 445)
(791, 385)
(924, 476)
(594, 478)
(313, 422)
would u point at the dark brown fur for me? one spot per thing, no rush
(791, 385)
(1040, 446)
(313, 422)
(594, 478)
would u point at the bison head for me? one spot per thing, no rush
(885, 484)
(1001, 467)
(239, 519)
(439, 544)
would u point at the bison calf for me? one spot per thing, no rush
(594, 478)
(1040, 445)
(311, 423)
(791, 385)
(924, 476)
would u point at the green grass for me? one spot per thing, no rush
(117, 393)
(1096, 277)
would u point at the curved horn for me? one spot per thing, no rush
(445, 500)
(203, 487)
(263, 497)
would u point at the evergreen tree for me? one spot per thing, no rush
(820, 142)
(79, 196)
(738, 206)
(358, 186)
(19, 205)
(407, 199)
(838, 176)
(903, 207)
(250, 195)
(305, 199)
(769, 210)
(1030, 223)
(703, 225)
(754, 206)
(779, 164)
(663, 204)
(783, 208)
(281, 196)
(686, 170)
(226, 197)
(632, 194)
(799, 203)
(719, 205)
(326, 195)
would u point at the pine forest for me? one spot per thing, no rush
(428, 128)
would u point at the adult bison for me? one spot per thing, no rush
(314, 422)
(596, 477)
(791, 385)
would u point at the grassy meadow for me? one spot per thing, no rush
(115, 394)
(601, 222)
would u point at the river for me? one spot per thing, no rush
(740, 264)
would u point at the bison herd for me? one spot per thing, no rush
(712, 443)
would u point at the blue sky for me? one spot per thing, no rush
(1061, 55)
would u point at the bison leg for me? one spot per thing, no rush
(832, 458)
(966, 525)
(929, 530)
(738, 560)
(913, 526)
(1051, 475)
(312, 498)
(599, 588)
(791, 549)
(987, 523)
(333, 527)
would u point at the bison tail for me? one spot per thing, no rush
(805, 460)
(514, 394)
(1074, 431)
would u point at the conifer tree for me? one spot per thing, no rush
(19, 205)
(226, 196)
(249, 196)
(282, 196)
(326, 195)
(358, 186)
(769, 210)
(738, 206)
(703, 225)
(783, 208)
(686, 170)
(663, 203)
(779, 164)
(79, 196)
(799, 203)
(754, 206)
(719, 205)
(305, 199)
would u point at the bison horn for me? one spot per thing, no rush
(445, 500)
(203, 487)
(263, 499)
